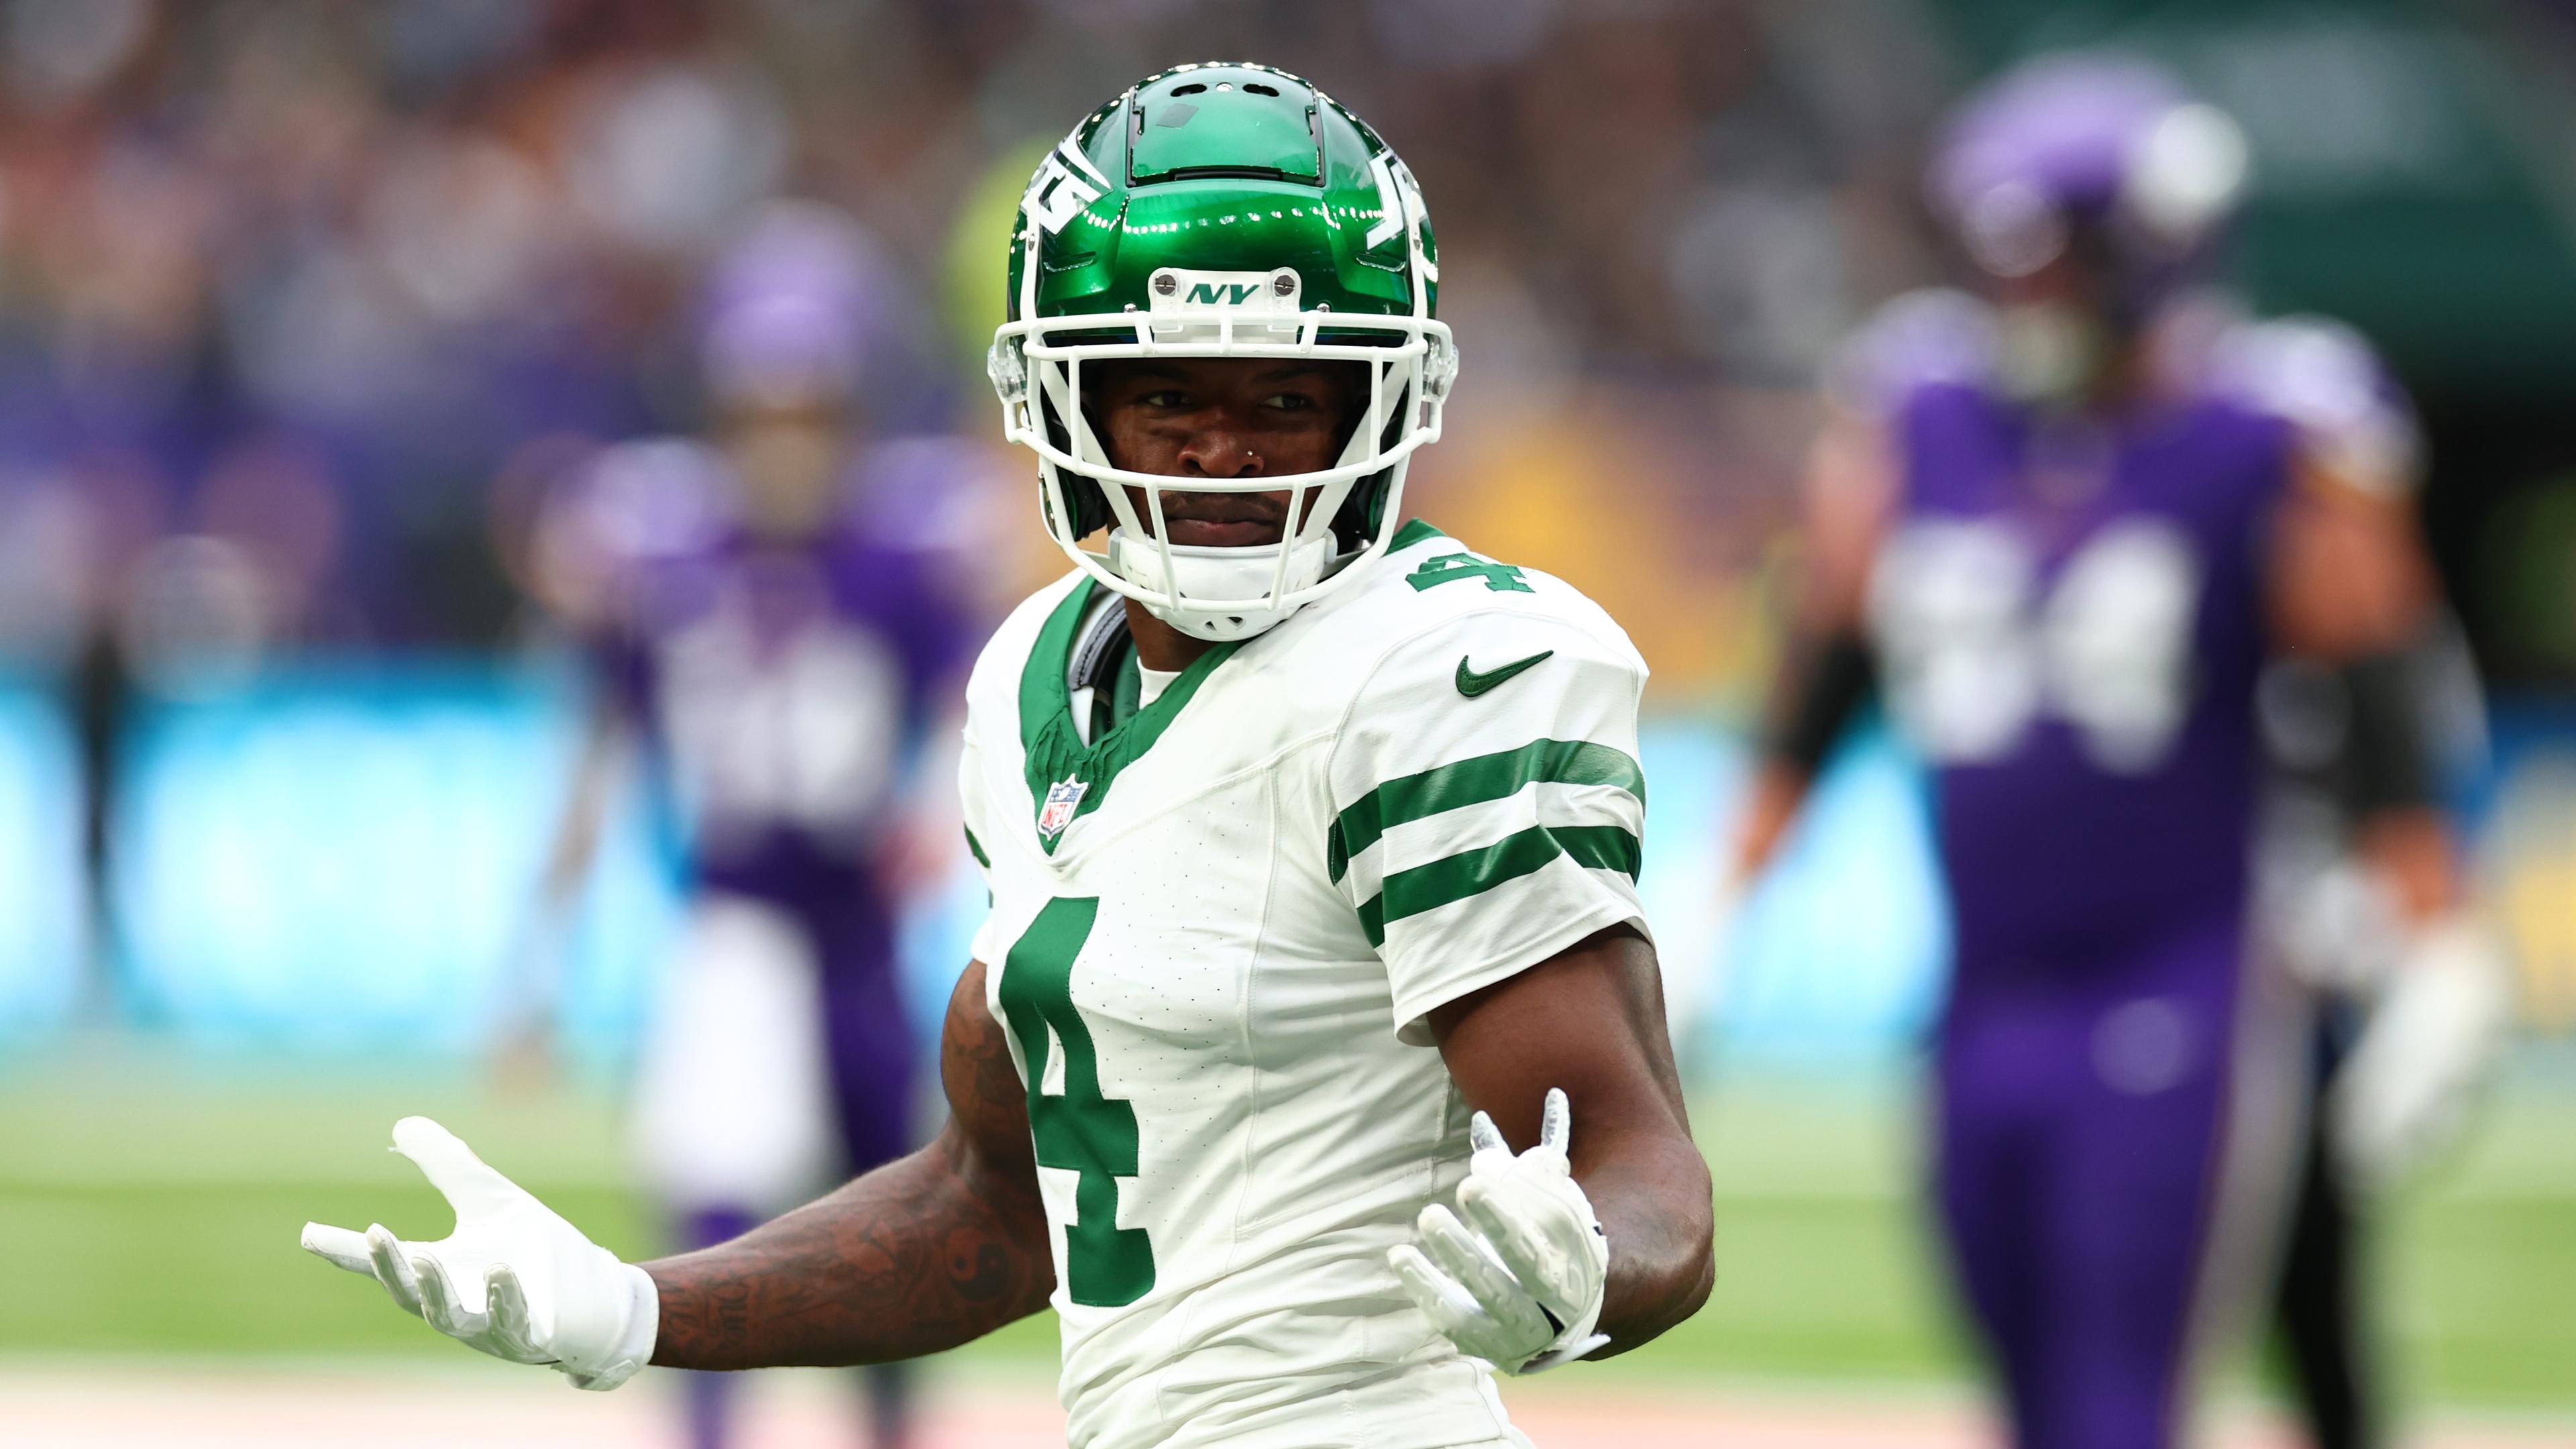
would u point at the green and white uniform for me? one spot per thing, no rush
(1217, 928)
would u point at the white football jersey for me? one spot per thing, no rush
(1216, 932)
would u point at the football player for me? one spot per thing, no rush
(2065, 522)
(776, 661)
(1312, 1060)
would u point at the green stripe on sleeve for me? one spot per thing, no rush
(1472, 782)
(977, 848)
(1429, 887)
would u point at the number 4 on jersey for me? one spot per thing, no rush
(1106, 1266)
(1449, 568)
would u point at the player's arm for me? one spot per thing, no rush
(923, 1254)
(605, 759)
(1825, 670)
(1490, 844)
(607, 748)
(1590, 1021)
(920, 1255)
(2351, 587)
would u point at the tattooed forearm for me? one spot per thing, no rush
(920, 1255)
(910, 1259)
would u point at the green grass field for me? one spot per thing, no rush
(152, 1208)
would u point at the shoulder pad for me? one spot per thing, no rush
(1438, 601)
(610, 533)
(1441, 579)
(1486, 615)
(1935, 337)
(654, 499)
(2324, 379)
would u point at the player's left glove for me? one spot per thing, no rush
(2427, 1049)
(1519, 1283)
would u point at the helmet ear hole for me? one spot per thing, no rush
(1091, 512)
(1082, 495)
(1362, 515)
(1398, 420)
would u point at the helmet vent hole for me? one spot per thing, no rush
(1258, 89)
(1192, 89)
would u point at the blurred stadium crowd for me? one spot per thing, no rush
(305, 308)
(302, 304)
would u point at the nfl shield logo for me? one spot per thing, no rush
(1061, 801)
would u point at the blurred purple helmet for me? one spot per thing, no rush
(2089, 143)
(795, 308)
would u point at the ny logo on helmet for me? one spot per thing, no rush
(1222, 294)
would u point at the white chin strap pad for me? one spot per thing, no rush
(1237, 580)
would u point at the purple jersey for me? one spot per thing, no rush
(783, 686)
(2070, 615)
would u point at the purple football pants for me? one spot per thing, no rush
(2088, 1116)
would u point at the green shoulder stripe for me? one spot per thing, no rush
(1474, 781)
(975, 848)
(1473, 872)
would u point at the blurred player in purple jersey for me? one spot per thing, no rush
(2064, 523)
(778, 660)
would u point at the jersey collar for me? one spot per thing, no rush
(1068, 778)
(1414, 531)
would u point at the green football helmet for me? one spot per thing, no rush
(1224, 210)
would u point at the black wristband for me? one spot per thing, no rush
(2388, 761)
(1821, 688)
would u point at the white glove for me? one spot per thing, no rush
(2405, 1091)
(1523, 1289)
(513, 1280)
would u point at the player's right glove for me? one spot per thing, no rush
(1523, 1289)
(2405, 1091)
(514, 1279)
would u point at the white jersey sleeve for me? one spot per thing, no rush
(1488, 803)
(979, 831)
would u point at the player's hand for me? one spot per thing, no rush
(513, 1280)
(2405, 1091)
(1519, 1283)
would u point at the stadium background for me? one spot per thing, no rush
(302, 303)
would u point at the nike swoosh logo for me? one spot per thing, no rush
(1471, 684)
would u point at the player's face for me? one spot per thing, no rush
(1223, 417)
(788, 457)
(2056, 322)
